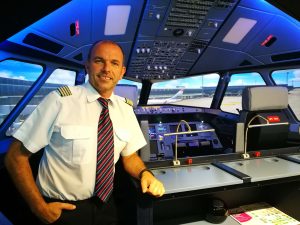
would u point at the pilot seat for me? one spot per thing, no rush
(264, 118)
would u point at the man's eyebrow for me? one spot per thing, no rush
(98, 57)
(116, 61)
(113, 60)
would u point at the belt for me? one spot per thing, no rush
(93, 199)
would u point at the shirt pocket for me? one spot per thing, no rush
(122, 137)
(79, 138)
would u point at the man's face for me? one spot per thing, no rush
(105, 68)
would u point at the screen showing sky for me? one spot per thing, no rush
(30, 72)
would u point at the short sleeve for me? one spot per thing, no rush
(137, 139)
(36, 130)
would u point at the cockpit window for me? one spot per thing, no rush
(192, 91)
(291, 79)
(130, 82)
(129, 89)
(232, 101)
(17, 77)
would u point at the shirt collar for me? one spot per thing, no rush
(93, 95)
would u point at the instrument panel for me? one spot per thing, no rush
(188, 143)
(159, 122)
(165, 109)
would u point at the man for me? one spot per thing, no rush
(65, 123)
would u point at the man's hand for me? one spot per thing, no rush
(151, 185)
(52, 211)
(134, 165)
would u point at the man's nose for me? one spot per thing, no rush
(106, 67)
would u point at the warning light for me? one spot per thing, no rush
(273, 119)
(77, 27)
(256, 154)
(268, 41)
(189, 161)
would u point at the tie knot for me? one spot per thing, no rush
(103, 102)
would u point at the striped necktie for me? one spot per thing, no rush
(105, 154)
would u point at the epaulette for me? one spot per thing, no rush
(64, 91)
(128, 101)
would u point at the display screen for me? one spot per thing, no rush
(161, 129)
(152, 132)
(173, 129)
(193, 128)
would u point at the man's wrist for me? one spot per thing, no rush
(143, 171)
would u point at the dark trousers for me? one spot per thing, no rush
(88, 212)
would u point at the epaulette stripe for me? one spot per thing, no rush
(64, 91)
(128, 101)
(68, 90)
(58, 89)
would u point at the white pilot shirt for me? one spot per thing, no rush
(67, 127)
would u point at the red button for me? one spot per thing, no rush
(256, 154)
(189, 161)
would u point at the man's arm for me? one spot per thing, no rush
(17, 164)
(134, 165)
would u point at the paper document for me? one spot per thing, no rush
(261, 214)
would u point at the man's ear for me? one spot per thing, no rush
(123, 72)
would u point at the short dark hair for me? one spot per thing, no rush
(105, 41)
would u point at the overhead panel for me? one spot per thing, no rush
(274, 40)
(257, 17)
(69, 32)
(116, 20)
(261, 20)
(214, 58)
(173, 35)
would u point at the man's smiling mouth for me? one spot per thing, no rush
(105, 77)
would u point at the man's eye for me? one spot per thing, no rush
(98, 61)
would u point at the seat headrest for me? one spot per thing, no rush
(264, 98)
